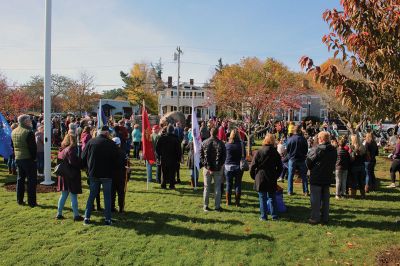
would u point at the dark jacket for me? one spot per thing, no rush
(100, 157)
(120, 171)
(343, 159)
(321, 161)
(265, 169)
(297, 148)
(168, 149)
(234, 153)
(72, 183)
(357, 159)
(212, 154)
(372, 151)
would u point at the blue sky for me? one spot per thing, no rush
(105, 36)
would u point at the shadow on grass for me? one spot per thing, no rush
(300, 214)
(153, 223)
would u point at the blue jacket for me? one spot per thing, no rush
(233, 153)
(297, 148)
(136, 135)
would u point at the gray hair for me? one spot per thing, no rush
(22, 119)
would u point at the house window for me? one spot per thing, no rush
(323, 113)
(304, 112)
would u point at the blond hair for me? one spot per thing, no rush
(356, 145)
(69, 140)
(323, 135)
(369, 137)
(234, 136)
(269, 140)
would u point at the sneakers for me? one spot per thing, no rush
(312, 222)
(206, 209)
(337, 197)
(78, 218)
(219, 209)
(86, 221)
(263, 219)
(107, 222)
(281, 180)
(392, 185)
(59, 217)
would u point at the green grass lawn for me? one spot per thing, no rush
(164, 227)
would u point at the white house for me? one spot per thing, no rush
(188, 92)
(117, 107)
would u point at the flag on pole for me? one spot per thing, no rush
(5, 138)
(196, 142)
(148, 151)
(101, 117)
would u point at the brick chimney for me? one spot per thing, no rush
(169, 81)
(191, 82)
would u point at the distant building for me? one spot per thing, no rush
(188, 92)
(117, 107)
(309, 104)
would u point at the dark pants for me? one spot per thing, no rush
(118, 187)
(158, 173)
(94, 190)
(98, 199)
(168, 174)
(395, 167)
(370, 174)
(136, 149)
(40, 162)
(231, 177)
(178, 176)
(319, 203)
(358, 178)
(26, 169)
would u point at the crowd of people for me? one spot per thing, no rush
(315, 152)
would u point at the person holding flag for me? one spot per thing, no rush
(6, 149)
(147, 144)
(196, 146)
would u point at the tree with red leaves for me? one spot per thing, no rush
(367, 35)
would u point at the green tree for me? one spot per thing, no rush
(140, 86)
(114, 94)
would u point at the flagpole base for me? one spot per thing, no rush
(47, 182)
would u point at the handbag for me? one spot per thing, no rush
(244, 165)
(63, 169)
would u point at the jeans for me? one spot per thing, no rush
(341, 179)
(11, 162)
(94, 190)
(149, 170)
(136, 149)
(234, 176)
(26, 169)
(395, 167)
(40, 162)
(74, 202)
(301, 166)
(267, 199)
(208, 176)
(370, 178)
(284, 170)
(358, 176)
(319, 203)
(128, 147)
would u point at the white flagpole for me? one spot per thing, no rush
(47, 99)
(146, 161)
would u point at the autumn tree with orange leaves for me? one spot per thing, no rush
(259, 87)
(366, 33)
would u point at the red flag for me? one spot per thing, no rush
(148, 151)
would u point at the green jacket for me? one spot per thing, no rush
(24, 143)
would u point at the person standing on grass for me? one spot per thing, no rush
(297, 148)
(100, 156)
(395, 167)
(357, 158)
(25, 159)
(212, 158)
(342, 167)
(70, 185)
(155, 136)
(119, 178)
(372, 151)
(136, 139)
(39, 138)
(169, 152)
(321, 161)
(265, 169)
(234, 151)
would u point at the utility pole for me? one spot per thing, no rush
(177, 56)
